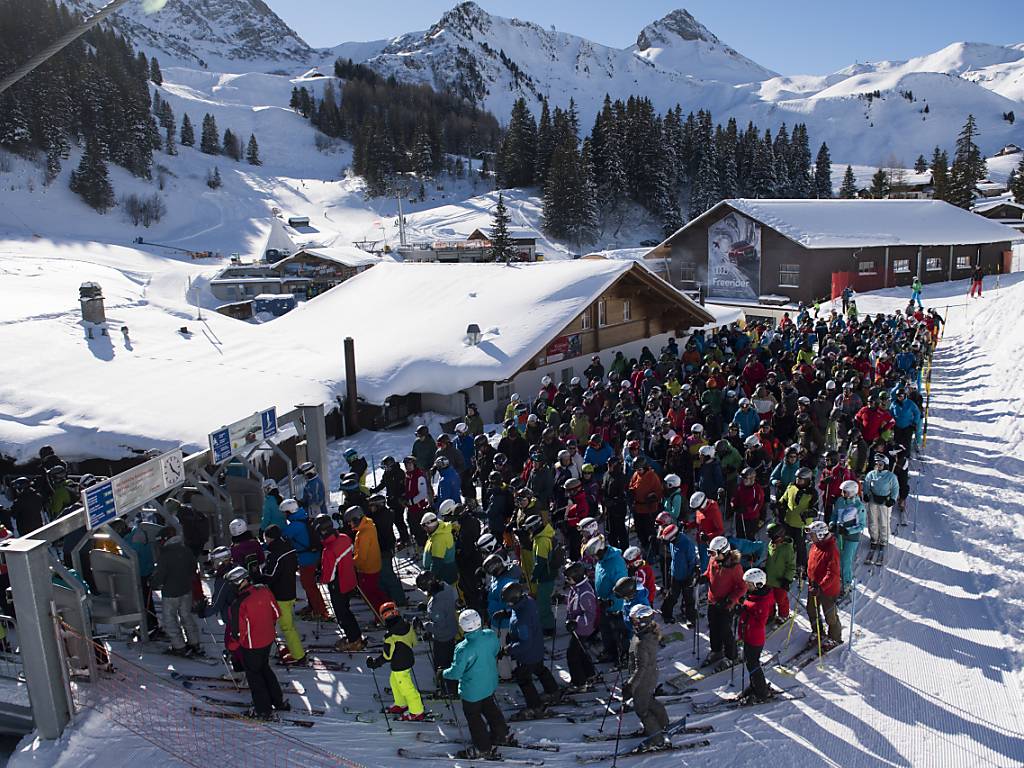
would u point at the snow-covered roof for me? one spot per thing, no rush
(346, 255)
(818, 224)
(278, 238)
(988, 205)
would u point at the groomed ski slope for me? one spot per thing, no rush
(933, 677)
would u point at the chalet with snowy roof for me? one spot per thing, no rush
(1006, 212)
(749, 251)
(307, 273)
(524, 241)
(459, 333)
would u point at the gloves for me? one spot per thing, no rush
(421, 607)
(812, 589)
(889, 502)
(570, 625)
(417, 624)
(374, 662)
(500, 615)
(501, 652)
(784, 583)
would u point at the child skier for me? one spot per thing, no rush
(399, 640)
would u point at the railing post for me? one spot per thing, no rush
(316, 437)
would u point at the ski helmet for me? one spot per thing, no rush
(804, 474)
(849, 488)
(219, 556)
(425, 581)
(289, 506)
(588, 526)
(624, 588)
(349, 482)
(446, 508)
(388, 611)
(324, 525)
(572, 484)
(469, 621)
(775, 529)
(749, 473)
(664, 518)
(308, 469)
(632, 554)
(697, 429)
(269, 485)
(882, 459)
(237, 576)
(818, 529)
(237, 527)
(596, 547)
(698, 499)
(512, 593)
(755, 577)
(533, 524)
(429, 522)
(719, 545)
(641, 617)
(668, 532)
(441, 462)
(494, 565)
(354, 515)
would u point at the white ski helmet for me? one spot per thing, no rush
(707, 452)
(697, 429)
(545, 381)
(220, 555)
(429, 522)
(469, 621)
(445, 508)
(755, 576)
(818, 529)
(487, 543)
(596, 547)
(849, 488)
(641, 615)
(673, 481)
(698, 499)
(237, 527)
(881, 458)
(289, 506)
(269, 485)
(744, 401)
(752, 442)
(719, 544)
(461, 428)
(632, 554)
(589, 527)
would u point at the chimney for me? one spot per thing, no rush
(473, 334)
(90, 296)
(351, 390)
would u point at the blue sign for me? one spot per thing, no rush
(220, 444)
(98, 501)
(269, 418)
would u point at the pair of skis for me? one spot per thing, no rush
(659, 742)
(277, 719)
(738, 702)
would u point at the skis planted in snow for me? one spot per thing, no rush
(722, 705)
(313, 711)
(436, 738)
(643, 748)
(276, 720)
(409, 754)
(324, 665)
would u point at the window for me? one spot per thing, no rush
(488, 388)
(789, 276)
(963, 262)
(933, 263)
(566, 375)
(587, 319)
(504, 392)
(901, 266)
(866, 268)
(602, 313)
(627, 311)
(687, 272)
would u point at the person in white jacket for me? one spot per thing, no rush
(881, 488)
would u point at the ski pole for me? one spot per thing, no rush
(223, 651)
(618, 731)
(817, 624)
(380, 698)
(732, 669)
(608, 706)
(853, 609)
(554, 611)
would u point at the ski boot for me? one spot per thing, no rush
(286, 706)
(350, 646)
(394, 709)
(409, 717)
(195, 652)
(712, 658)
(252, 714)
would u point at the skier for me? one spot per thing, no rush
(780, 568)
(527, 648)
(173, 577)
(544, 569)
(501, 576)
(646, 491)
(976, 277)
(306, 541)
(848, 518)
(399, 641)
(609, 568)
(798, 508)
(357, 465)
(725, 590)
(224, 594)
(245, 549)
(424, 448)
(384, 520)
(272, 514)
(279, 572)
(613, 495)
(915, 293)
(418, 498)
(367, 557)
(707, 521)
(631, 593)
(748, 505)
(757, 606)
(684, 574)
(580, 622)
(439, 550)
(27, 509)
(642, 571)
(338, 572)
(823, 584)
(392, 482)
(474, 666)
(468, 559)
(880, 489)
(440, 626)
(251, 622)
(643, 675)
(313, 493)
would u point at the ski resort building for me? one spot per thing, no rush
(752, 251)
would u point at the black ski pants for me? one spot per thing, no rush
(487, 727)
(263, 685)
(721, 631)
(524, 674)
(752, 659)
(689, 593)
(581, 666)
(343, 613)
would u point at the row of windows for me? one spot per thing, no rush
(902, 266)
(587, 320)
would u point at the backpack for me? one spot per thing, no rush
(316, 544)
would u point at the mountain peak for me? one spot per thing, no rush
(679, 23)
(464, 17)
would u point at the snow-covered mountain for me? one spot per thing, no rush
(221, 35)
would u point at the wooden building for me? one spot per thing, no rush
(754, 251)
(306, 274)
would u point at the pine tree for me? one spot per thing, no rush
(848, 189)
(780, 151)
(502, 249)
(725, 150)
(920, 165)
(155, 75)
(968, 166)
(762, 177)
(232, 145)
(91, 181)
(188, 135)
(879, 184)
(704, 192)
(940, 175)
(423, 153)
(517, 154)
(169, 146)
(823, 173)
(209, 142)
(252, 151)
(1017, 182)
(545, 144)
(801, 185)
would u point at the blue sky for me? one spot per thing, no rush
(789, 36)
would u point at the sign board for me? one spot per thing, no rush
(563, 348)
(734, 258)
(132, 488)
(233, 439)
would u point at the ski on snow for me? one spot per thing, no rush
(721, 705)
(409, 754)
(322, 665)
(643, 748)
(687, 729)
(376, 716)
(276, 720)
(435, 738)
(312, 711)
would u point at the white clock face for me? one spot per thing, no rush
(173, 470)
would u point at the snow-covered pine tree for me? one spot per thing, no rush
(232, 145)
(155, 75)
(801, 184)
(762, 174)
(169, 144)
(848, 189)
(725, 152)
(517, 153)
(14, 129)
(940, 174)
(968, 167)
(252, 151)
(188, 134)
(90, 180)
(780, 152)
(920, 165)
(705, 193)
(502, 250)
(823, 173)
(545, 144)
(209, 141)
(213, 180)
(423, 153)
(589, 214)
(1017, 182)
(879, 188)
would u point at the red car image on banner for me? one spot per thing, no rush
(734, 258)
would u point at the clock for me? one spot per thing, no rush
(174, 469)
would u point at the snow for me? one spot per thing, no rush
(347, 255)
(872, 223)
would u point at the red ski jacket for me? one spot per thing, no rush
(748, 501)
(823, 567)
(873, 421)
(725, 581)
(709, 520)
(252, 619)
(754, 616)
(338, 562)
